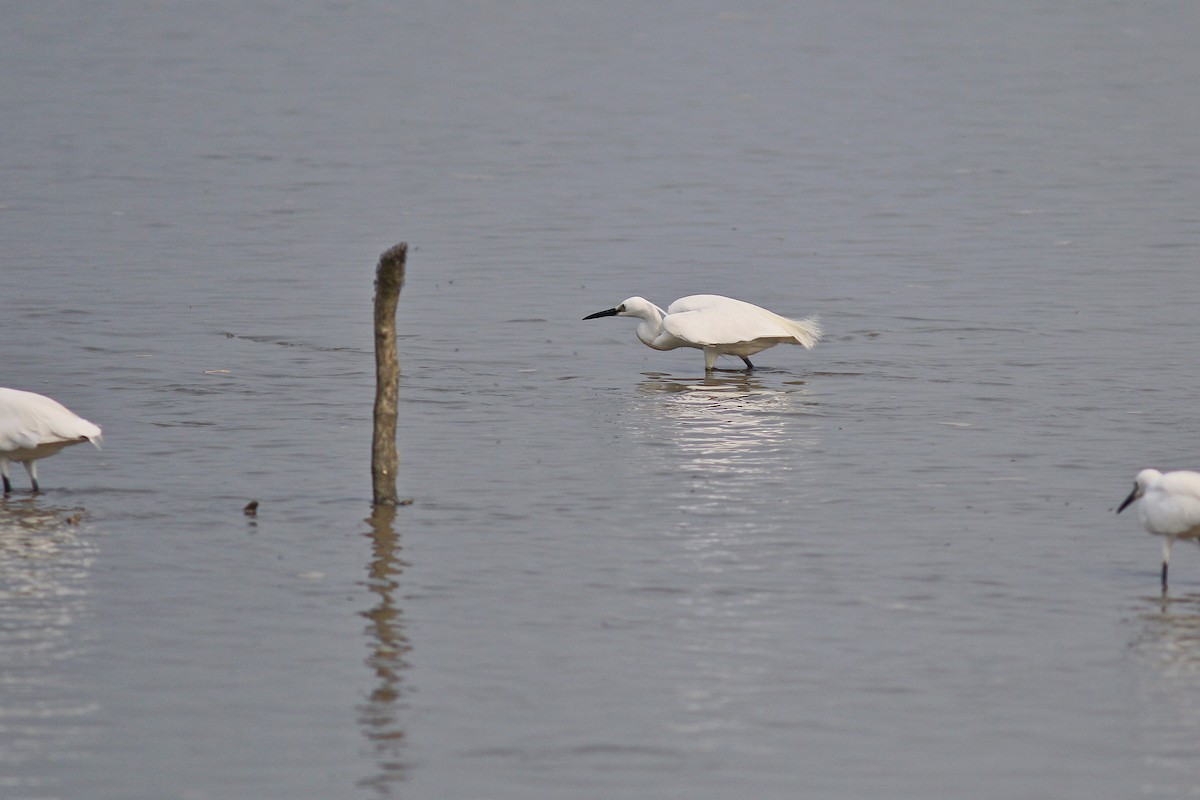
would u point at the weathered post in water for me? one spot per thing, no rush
(385, 461)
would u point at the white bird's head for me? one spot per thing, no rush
(1140, 483)
(638, 307)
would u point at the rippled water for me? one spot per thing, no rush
(884, 568)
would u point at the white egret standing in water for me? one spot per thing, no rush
(1170, 507)
(720, 326)
(33, 426)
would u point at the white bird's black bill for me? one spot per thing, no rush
(608, 312)
(1132, 496)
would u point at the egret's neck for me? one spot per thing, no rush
(649, 327)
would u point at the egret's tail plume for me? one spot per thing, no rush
(807, 331)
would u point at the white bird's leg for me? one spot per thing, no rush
(1167, 542)
(31, 468)
(748, 364)
(710, 358)
(4, 475)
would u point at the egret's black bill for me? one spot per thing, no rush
(611, 312)
(1128, 500)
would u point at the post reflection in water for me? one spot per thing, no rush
(380, 716)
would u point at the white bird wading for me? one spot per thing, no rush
(720, 326)
(33, 426)
(1169, 505)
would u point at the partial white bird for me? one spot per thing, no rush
(720, 326)
(33, 426)
(1170, 507)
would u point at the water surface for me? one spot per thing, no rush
(884, 568)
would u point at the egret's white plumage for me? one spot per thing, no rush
(33, 426)
(720, 326)
(1169, 505)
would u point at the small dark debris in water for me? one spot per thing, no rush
(251, 509)
(406, 502)
(74, 519)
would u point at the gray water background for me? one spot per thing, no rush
(885, 568)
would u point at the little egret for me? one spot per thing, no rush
(1170, 507)
(33, 426)
(720, 326)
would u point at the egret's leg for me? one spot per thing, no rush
(749, 366)
(31, 468)
(1167, 542)
(710, 358)
(4, 475)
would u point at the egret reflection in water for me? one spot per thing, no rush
(45, 568)
(1171, 637)
(1168, 656)
(729, 436)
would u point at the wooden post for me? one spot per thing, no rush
(385, 461)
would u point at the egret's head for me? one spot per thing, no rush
(1143, 480)
(632, 307)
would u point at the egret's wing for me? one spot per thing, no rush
(712, 327)
(1183, 483)
(28, 420)
(707, 319)
(699, 302)
(1174, 502)
(23, 426)
(14, 435)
